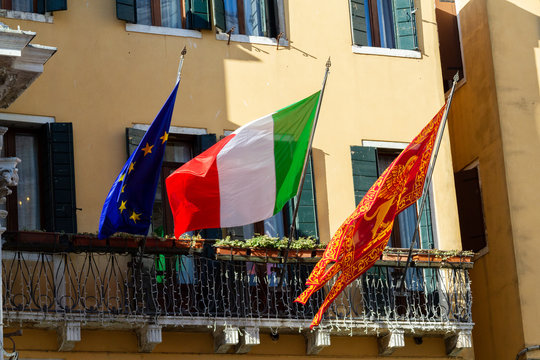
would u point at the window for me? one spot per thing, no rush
(179, 150)
(384, 23)
(34, 6)
(248, 17)
(368, 164)
(181, 14)
(449, 41)
(471, 214)
(45, 196)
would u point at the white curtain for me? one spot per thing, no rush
(170, 14)
(26, 148)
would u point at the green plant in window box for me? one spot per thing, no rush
(264, 246)
(228, 246)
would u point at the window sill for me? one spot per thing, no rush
(159, 30)
(368, 50)
(21, 15)
(261, 40)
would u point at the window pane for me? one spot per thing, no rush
(22, 5)
(26, 148)
(386, 24)
(170, 14)
(255, 14)
(231, 15)
(178, 152)
(144, 12)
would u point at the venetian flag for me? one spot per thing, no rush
(128, 206)
(247, 176)
(360, 240)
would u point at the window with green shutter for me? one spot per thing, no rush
(36, 6)
(45, 196)
(181, 14)
(368, 164)
(179, 150)
(384, 23)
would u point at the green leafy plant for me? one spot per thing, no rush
(303, 244)
(228, 242)
(263, 241)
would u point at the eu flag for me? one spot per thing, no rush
(128, 206)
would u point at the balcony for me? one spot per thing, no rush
(116, 288)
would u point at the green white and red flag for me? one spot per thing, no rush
(247, 176)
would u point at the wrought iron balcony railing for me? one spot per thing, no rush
(199, 290)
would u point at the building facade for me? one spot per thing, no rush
(494, 128)
(74, 128)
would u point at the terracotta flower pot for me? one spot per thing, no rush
(37, 237)
(302, 253)
(261, 252)
(231, 251)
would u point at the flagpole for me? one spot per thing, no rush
(301, 183)
(401, 282)
(178, 76)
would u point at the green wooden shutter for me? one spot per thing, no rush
(126, 10)
(364, 166)
(405, 24)
(358, 22)
(198, 14)
(133, 139)
(204, 142)
(306, 219)
(62, 177)
(426, 228)
(56, 5)
(219, 15)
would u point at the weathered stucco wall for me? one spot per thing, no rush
(495, 121)
(515, 34)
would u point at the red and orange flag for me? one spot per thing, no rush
(360, 240)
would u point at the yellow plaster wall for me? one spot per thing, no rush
(515, 34)
(494, 122)
(103, 79)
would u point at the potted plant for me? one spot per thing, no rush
(319, 250)
(231, 247)
(303, 247)
(194, 242)
(395, 254)
(263, 246)
(436, 255)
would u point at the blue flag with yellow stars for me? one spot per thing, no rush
(128, 207)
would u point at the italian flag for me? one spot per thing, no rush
(247, 176)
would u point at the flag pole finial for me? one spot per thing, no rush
(328, 63)
(182, 53)
(456, 77)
